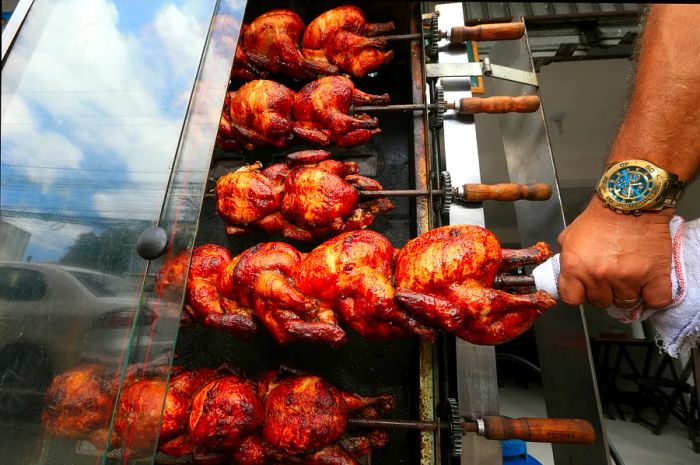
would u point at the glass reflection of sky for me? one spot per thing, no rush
(93, 97)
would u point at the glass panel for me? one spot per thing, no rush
(94, 97)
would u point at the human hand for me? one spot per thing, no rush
(607, 257)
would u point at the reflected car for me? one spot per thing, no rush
(53, 317)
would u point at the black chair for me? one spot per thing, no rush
(668, 393)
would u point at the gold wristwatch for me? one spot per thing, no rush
(632, 186)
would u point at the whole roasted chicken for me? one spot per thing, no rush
(352, 273)
(343, 37)
(321, 112)
(445, 278)
(265, 113)
(271, 41)
(306, 198)
(78, 404)
(256, 115)
(204, 300)
(141, 413)
(217, 416)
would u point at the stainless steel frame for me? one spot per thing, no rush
(477, 385)
(562, 339)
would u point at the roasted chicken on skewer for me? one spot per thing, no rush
(321, 112)
(220, 415)
(259, 114)
(338, 40)
(343, 37)
(444, 279)
(308, 197)
(270, 43)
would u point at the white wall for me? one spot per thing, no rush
(583, 104)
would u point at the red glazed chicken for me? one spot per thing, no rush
(204, 301)
(352, 273)
(78, 404)
(445, 279)
(256, 115)
(271, 41)
(305, 413)
(321, 112)
(140, 406)
(307, 198)
(344, 38)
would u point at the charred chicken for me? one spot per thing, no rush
(220, 415)
(306, 198)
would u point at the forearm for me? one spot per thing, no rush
(662, 124)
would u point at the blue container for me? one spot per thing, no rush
(514, 452)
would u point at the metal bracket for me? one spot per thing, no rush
(483, 68)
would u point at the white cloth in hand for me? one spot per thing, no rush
(678, 325)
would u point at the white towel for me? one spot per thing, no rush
(678, 325)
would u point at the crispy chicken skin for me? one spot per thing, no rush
(352, 273)
(140, 406)
(321, 111)
(224, 412)
(259, 114)
(221, 416)
(343, 37)
(442, 279)
(265, 113)
(308, 197)
(78, 402)
(304, 413)
(204, 301)
(270, 43)
(445, 278)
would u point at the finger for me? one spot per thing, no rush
(571, 290)
(599, 294)
(626, 295)
(657, 293)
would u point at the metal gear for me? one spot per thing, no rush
(447, 197)
(449, 412)
(434, 37)
(437, 117)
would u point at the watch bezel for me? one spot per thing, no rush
(652, 199)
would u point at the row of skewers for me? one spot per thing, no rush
(215, 416)
(443, 279)
(329, 109)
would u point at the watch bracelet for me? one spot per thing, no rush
(674, 192)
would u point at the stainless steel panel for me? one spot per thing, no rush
(476, 365)
(562, 339)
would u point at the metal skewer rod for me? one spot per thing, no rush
(462, 34)
(552, 430)
(466, 106)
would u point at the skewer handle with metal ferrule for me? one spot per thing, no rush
(471, 105)
(496, 31)
(555, 430)
(505, 192)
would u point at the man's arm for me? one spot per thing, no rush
(606, 255)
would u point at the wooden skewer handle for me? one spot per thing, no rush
(565, 431)
(523, 104)
(496, 31)
(507, 192)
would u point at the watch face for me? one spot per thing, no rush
(631, 186)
